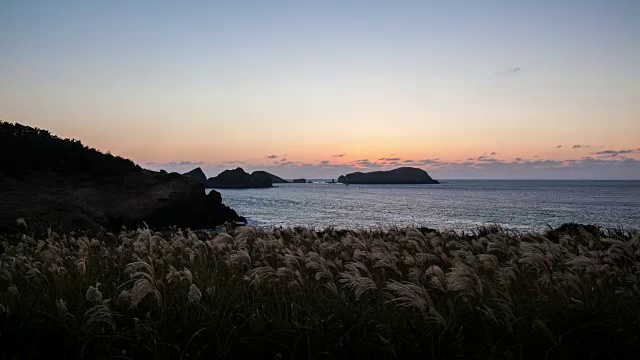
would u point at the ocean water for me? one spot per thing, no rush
(454, 204)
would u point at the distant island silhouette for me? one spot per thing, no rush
(239, 179)
(274, 179)
(403, 175)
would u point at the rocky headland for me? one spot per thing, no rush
(56, 183)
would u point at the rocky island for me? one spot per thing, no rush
(62, 184)
(403, 175)
(274, 179)
(240, 179)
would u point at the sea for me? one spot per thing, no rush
(460, 205)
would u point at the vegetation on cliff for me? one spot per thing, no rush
(24, 150)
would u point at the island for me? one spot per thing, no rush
(264, 175)
(239, 179)
(52, 183)
(299, 181)
(403, 175)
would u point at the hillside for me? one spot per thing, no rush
(24, 150)
(60, 183)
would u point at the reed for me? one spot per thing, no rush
(301, 293)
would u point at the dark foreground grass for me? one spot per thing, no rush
(300, 293)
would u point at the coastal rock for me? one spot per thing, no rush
(579, 231)
(197, 174)
(299, 181)
(238, 179)
(403, 175)
(261, 175)
(60, 183)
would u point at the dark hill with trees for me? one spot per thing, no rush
(25, 150)
(60, 183)
(403, 175)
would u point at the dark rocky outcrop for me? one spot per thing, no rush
(403, 175)
(299, 181)
(60, 183)
(265, 175)
(198, 175)
(575, 230)
(238, 179)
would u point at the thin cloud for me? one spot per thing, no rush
(614, 153)
(544, 163)
(339, 155)
(390, 159)
(430, 161)
(366, 163)
(493, 153)
(486, 159)
(558, 147)
(176, 164)
(579, 146)
(509, 71)
(181, 163)
(272, 156)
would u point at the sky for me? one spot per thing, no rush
(317, 89)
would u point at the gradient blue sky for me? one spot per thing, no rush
(463, 89)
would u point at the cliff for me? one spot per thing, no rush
(62, 184)
(197, 174)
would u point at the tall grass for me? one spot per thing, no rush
(300, 293)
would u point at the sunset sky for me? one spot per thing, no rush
(316, 89)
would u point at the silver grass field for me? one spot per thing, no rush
(304, 293)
